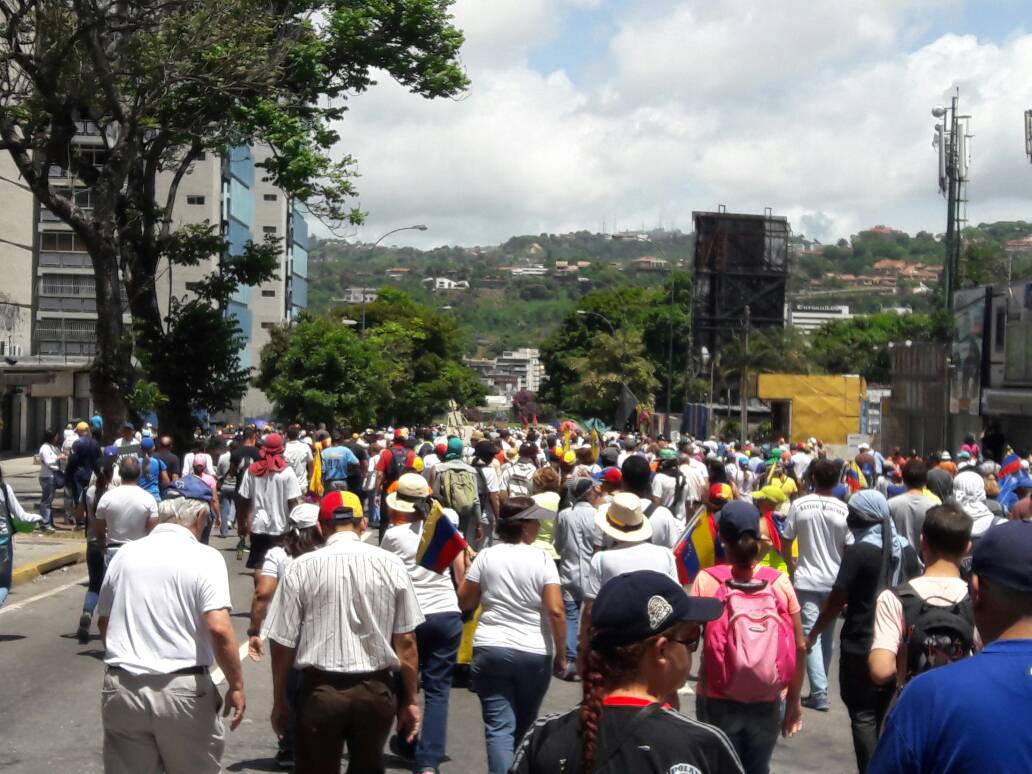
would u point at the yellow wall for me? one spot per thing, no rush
(824, 407)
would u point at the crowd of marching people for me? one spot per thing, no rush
(389, 564)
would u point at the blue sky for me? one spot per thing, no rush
(639, 111)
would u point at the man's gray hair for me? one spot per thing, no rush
(181, 511)
(129, 469)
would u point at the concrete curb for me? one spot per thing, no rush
(28, 572)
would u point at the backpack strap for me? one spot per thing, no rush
(651, 509)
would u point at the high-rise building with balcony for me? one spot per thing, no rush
(53, 285)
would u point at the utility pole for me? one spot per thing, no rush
(952, 140)
(743, 391)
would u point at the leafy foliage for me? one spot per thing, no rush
(406, 368)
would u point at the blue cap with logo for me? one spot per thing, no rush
(190, 487)
(637, 605)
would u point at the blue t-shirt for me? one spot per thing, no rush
(150, 476)
(335, 461)
(972, 716)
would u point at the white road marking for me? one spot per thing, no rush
(44, 595)
(216, 674)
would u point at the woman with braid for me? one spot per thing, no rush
(643, 631)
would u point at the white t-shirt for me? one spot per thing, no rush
(435, 591)
(665, 488)
(188, 459)
(819, 524)
(698, 480)
(628, 557)
(269, 496)
(512, 580)
(126, 510)
(48, 463)
(298, 454)
(888, 612)
(277, 560)
(665, 528)
(800, 462)
(155, 594)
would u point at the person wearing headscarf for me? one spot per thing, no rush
(879, 558)
(268, 492)
(969, 494)
(940, 483)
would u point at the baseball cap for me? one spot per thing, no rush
(721, 492)
(666, 453)
(737, 518)
(339, 506)
(128, 426)
(637, 605)
(535, 512)
(1004, 555)
(945, 456)
(304, 515)
(82, 427)
(771, 492)
(190, 487)
(610, 475)
(146, 443)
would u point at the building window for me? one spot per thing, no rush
(202, 156)
(193, 286)
(268, 326)
(61, 242)
(195, 200)
(270, 197)
(268, 229)
(999, 335)
(268, 294)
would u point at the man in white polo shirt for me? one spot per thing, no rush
(125, 512)
(164, 617)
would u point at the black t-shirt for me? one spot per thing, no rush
(354, 477)
(239, 461)
(172, 463)
(858, 577)
(663, 742)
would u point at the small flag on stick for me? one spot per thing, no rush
(440, 542)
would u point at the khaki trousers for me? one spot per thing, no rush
(161, 723)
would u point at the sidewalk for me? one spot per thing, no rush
(36, 555)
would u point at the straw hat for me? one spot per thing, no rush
(412, 488)
(623, 520)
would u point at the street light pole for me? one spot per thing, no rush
(670, 334)
(743, 417)
(603, 318)
(417, 227)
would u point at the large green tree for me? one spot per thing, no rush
(611, 361)
(163, 83)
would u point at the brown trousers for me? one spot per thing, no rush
(334, 708)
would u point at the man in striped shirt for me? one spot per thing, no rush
(346, 616)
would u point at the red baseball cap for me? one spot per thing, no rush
(339, 506)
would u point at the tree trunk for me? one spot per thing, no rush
(112, 365)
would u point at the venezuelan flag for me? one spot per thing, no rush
(439, 543)
(853, 478)
(698, 548)
(1011, 465)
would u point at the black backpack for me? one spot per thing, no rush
(934, 635)
(395, 465)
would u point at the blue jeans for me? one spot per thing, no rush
(572, 627)
(46, 498)
(6, 568)
(752, 727)
(438, 641)
(227, 509)
(511, 685)
(819, 659)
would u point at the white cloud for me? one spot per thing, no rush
(818, 110)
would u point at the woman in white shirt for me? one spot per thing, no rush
(438, 637)
(302, 537)
(520, 638)
(50, 459)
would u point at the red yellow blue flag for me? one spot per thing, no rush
(698, 548)
(440, 542)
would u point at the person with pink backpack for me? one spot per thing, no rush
(754, 654)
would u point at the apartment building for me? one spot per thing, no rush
(56, 334)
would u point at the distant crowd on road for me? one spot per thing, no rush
(511, 557)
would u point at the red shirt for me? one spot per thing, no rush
(385, 457)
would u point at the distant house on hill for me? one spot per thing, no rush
(649, 263)
(534, 270)
(445, 285)
(883, 230)
(397, 272)
(1019, 247)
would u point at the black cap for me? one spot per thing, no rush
(637, 605)
(1004, 555)
(738, 517)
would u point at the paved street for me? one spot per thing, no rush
(51, 713)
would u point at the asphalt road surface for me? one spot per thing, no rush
(50, 706)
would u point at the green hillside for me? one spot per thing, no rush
(507, 311)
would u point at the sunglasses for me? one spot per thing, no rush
(691, 642)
